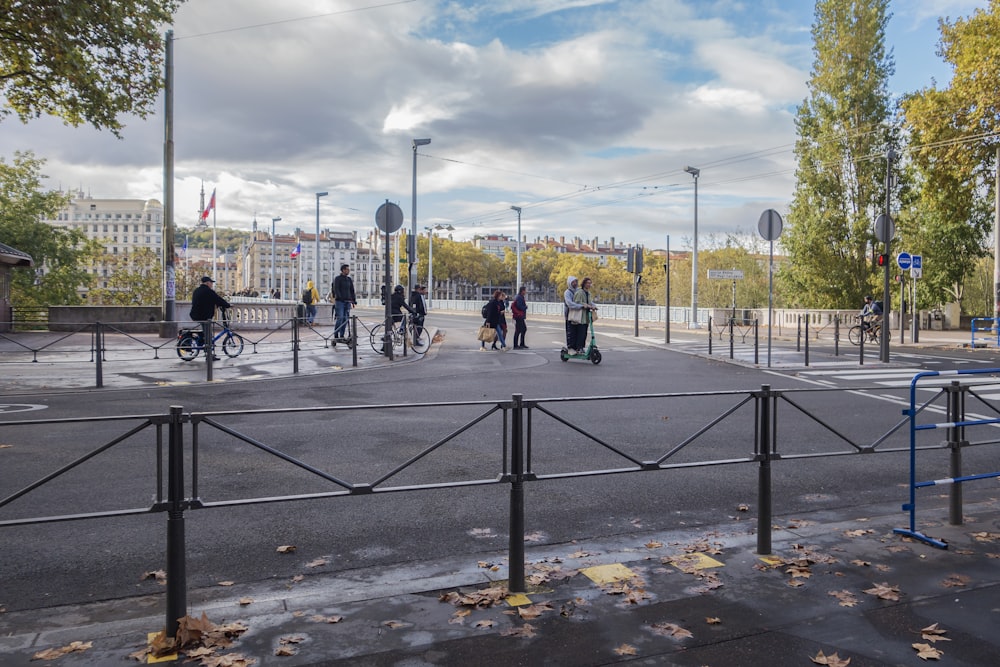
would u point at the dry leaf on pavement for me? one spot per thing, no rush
(884, 591)
(933, 633)
(626, 649)
(671, 630)
(53, 653)
(832, 660)
(713, 620)
(527, 631)
(927, 652)
(845, 598)
(286, 549)
(159, 575)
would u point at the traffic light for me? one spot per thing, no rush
(883, 260)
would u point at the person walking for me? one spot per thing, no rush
(519, 311)
(496, 320)
(419, 305)
(343, 300)
(310, 297)
(204, 301)
(569, 305)
(586, 302)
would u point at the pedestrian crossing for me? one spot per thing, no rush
(987, 385)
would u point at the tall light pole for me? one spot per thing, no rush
(517, 285)
(411, 242)
(694, 254)
(318, 277)
(273, 283)
(430, 259)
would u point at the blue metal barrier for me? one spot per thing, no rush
(993, 338)
(958, 423)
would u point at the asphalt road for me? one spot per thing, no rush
(79, 561)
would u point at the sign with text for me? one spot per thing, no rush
(724, 274)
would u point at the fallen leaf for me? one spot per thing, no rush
(285, 651)
(933, 633)
(227, 583)
(527, 631)
(291, 639)
(652, 544)
(743, 507)
(956, 581)
(286, 549)
(884, 591)
(326, 619)
(671, 630)
(860, 563)
(319, 562)
(833, 660)
(846, 598)
(927, 652)
(985, 537)
(713, 620)
(53, 653)
(534, 537)
(159, 575)
(297, 578)
(485, 623)
(626, 649)
(859, 532)
(394, 625)
(795, 583)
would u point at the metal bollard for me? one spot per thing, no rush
(807, 341)
(709, 335)
(798, 334)
(731, 323)
(515, 577)
(354, 340)
(836, 335)
(956, 440)
(764, 499)
(756, 342)
(295, 345)
(208, 347)
(99, 345)
(176, 564)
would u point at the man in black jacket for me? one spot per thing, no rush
(419, 306)
(204, 300)
(343, 299)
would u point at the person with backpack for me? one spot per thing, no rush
(871, 313)
(310, 297)
(519, 310)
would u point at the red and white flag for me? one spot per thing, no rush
(211, 205)
(297, 251)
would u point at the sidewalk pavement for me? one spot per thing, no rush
(833, 585)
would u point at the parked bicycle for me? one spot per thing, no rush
(416, 336)
(189, 343)
(868, 327)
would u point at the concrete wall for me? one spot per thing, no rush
(130, 319)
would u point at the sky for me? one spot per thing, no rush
(584, 113)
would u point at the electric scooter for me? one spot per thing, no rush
(590, 352)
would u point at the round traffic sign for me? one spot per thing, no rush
(389, 218)
(769, 225)
(904, 260)
(885, 228)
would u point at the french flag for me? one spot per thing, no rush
(297, 251)
(211, 205)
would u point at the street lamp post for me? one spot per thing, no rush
(273, 283)
(430, 259)
(411, 245)
(694, 254)
(517, 286)
(317, 278)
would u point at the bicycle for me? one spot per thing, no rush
(414, 333)
(189, 343)
(870, 329)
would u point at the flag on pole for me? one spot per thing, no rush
(297, 251)
(184, 248)
(211, 205)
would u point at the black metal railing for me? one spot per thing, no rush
(524, 430)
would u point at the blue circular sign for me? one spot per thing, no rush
(904, 260)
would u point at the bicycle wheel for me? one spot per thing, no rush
(420, 339)
(854, 334)
(232, 344)
(376, 338)
(187, 347)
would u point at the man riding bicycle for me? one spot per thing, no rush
(871, 313)
(204, 300)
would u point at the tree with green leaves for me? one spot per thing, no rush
(134, 279)
(844, 134)
(953, 151)
(85, 62)
(60, 254)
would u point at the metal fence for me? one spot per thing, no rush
(513, 442)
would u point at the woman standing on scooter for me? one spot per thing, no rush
(569, 305)
(583, 298)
